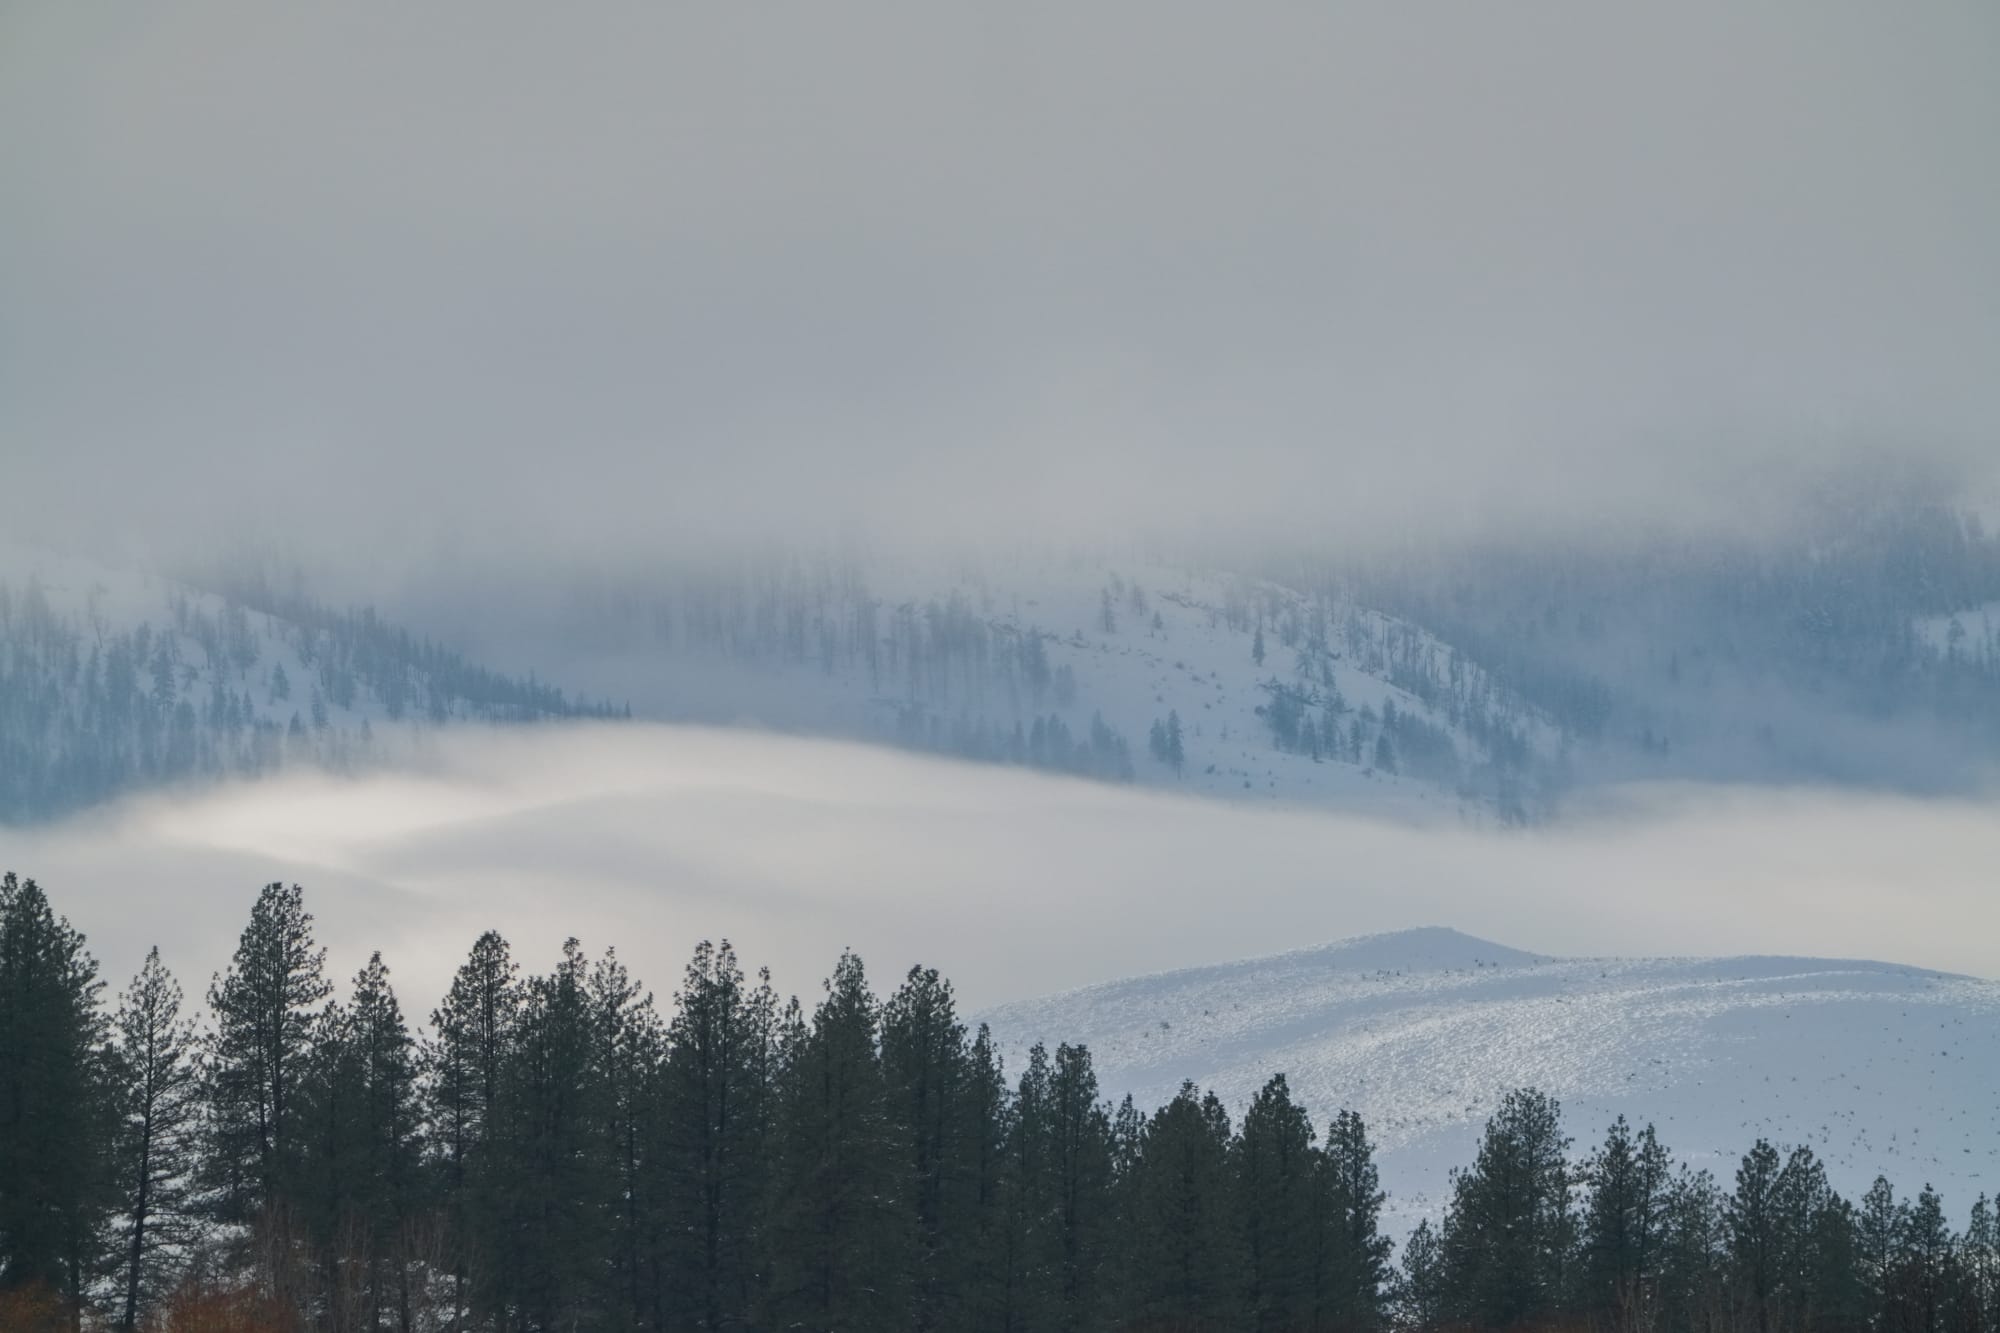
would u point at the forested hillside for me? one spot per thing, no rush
(110, 681)
(1854, 644)
(1858, 645)
(556, 1152)
(1202, 681)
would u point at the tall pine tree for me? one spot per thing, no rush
(1509, 1229)
(840, 1242)
(712, 1127)
(264, 1009)
(157, 1142)
(58, 1104)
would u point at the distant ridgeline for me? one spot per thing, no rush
(1236, 684)
(1856, 641)
(110, 683)
(1862, 645)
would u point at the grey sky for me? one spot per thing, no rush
(494, 273)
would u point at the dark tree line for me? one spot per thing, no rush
(555, 1152)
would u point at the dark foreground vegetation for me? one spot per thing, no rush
(556, 1154)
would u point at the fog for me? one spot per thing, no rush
(650, 838)
(401, 284)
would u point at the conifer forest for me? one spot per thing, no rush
(562, 1152)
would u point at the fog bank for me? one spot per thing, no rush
(651, 838)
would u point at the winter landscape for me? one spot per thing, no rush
(1114, 669)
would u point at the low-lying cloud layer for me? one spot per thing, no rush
(650, 838)
(425, 279)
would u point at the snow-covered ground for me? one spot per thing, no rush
(1879, 1068)
(1173, 648)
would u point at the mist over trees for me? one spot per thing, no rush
(559, 1152)
(1856, 642)
(1860, 645)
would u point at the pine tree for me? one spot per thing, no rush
(464, 1064)
(1628, 1180)
(1278, 1171)
(1028, 1294)
(157, 1143)
(1879, 1223)
(925, 1068)
(1691, 1294)
(1921, 1275)
(1124, 1253)
(318, 1222)
(1756, 1235)
(712, 1126)
(1357, 1254)
(1838, 1295)
(58, 1100)
(1803, 1202)
(1980, 1249)
(1190, 1267)
(986, 1122)
(383, 1156)
(1421, 1293)
(264, 1011)
(1080, 1150)
(1508, 1232)
(548, 1140)
(627, 1049)
(840, 1245)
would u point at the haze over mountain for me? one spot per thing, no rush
(1637, 433)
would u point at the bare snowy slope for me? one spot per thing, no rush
(1880, 1068)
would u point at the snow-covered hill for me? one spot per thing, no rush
(1277, 694)
(112, 679)
(1880, 1068)
(1070, 664)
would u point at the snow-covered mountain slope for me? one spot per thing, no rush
(1277, 694)
(1070, 664)
(112, 679)
(1879, 1068)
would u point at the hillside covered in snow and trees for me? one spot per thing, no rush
(112, 680)
(1491, 684)
(1850, 646)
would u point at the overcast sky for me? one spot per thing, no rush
(485, 274)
